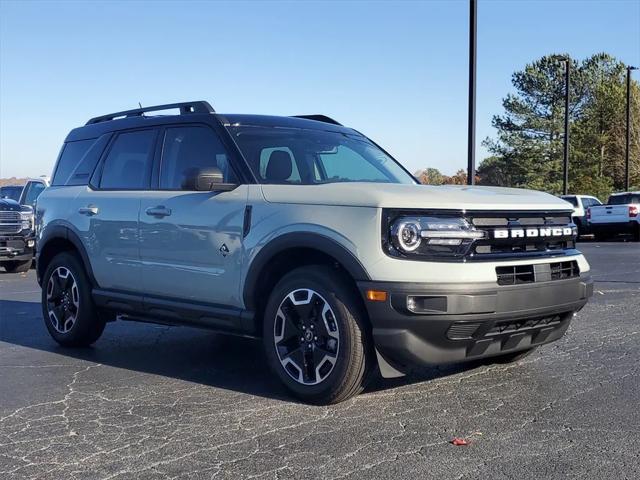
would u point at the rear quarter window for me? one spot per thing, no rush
(78, 160)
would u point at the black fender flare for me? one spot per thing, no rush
(63, 232)
(292, 240)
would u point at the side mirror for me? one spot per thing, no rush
(208, 179)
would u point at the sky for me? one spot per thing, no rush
(396, 71)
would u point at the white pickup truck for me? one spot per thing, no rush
(620, 215)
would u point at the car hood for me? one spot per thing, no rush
(455, 197)
(8, 205)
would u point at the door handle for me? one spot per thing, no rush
(89, 210)
(159, 211)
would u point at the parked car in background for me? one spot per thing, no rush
(32, 190)
(621, 215)
(580, 205)
(17, 236)
(12, 192)
(17, 227)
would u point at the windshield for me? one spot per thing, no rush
(11, 192)
(307, 157)
(623, 199)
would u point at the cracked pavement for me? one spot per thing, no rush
(156, 402)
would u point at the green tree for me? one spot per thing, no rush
(528, 149)
(430, 176)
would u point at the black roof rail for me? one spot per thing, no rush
(319, 118)
(199, 106)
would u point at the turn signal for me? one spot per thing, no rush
(376, 296)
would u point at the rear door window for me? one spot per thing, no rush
(128, 163)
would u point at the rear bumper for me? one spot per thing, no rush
(613, 228)
(469, 321)
(16, 248)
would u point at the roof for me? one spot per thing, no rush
(96, 129)
(237, 119)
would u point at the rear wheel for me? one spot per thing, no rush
(579, 226)
(315, 336)
(17, 266)
(67, 307)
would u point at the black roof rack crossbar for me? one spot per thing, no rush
(319, 118)
(199, 106)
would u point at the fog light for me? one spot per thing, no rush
(30, 243)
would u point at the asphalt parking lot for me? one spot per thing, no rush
(151, 401)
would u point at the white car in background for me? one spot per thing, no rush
(620, 215)
(580, 205)
(32, 190)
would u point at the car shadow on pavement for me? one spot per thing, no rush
(188, 354)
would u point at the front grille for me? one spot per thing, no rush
(10, 222)
(515, 275)
(517, 326)
(480, 331)
(462, 330)
(537, 223)
(562, 270)
(544, 272)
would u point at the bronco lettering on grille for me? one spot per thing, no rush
(533, 232)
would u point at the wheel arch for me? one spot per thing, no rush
(56, 239)
(290, 251)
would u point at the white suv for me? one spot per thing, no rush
(581, 204)
(304, 233)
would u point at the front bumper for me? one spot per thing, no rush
(457, 322)
(16, 248)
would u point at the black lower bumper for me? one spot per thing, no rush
(422, 324)
(615, 228)
(16, 248)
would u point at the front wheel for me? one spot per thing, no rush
(67, 306)
(17, 266)
(316, 337)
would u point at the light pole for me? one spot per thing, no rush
(565, 158)
(471, 137)
(628, 138)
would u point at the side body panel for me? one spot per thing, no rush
(110, 236)
(195, 253)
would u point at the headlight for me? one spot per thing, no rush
(431, 236)
(27, 220)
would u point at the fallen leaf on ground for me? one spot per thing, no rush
(459, 442)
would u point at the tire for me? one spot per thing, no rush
(599, 237)
(320, 346)
(636, 233)
(79, 324)
(512, 357)
(580, 227)
(17, 266)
